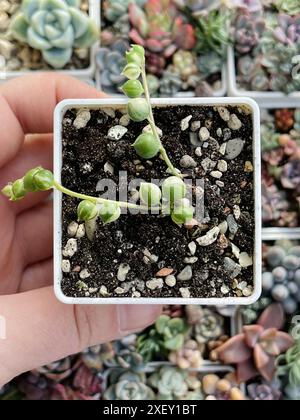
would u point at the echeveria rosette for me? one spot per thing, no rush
(54, 27)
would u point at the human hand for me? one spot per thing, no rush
(40, 329)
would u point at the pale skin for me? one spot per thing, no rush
(40, 329)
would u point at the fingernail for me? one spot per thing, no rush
(137, 317)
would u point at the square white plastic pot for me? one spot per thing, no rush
(87, 73)
(120, 103)
(235, 90)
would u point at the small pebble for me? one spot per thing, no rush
(103, 291)
(236, 212)
(117, 132)
(82, 118)
(245, 260)
(84, 274)
(108, 167)
(234, 122)
(224, 290)
(155, 284)
(232, 224)
(241, 286)
(93, 290)
(123, 270)
(208, 164)
(187, 162)
(224, 113)
(80, 231)
(216, 174)
(232, 268)
(125, 120)
(248, 291)
(219, 132)
(222, 165)
(198, 151)
(65, 266)
(204, 134)
(185, 123)
(223, 227)
(170, 281)
(70, 248)
(248, 166)
(195, 125)
(190, 260)
(120, 291)
(222, 149)
(234, 148)
(185, 292)
(72, 229)
(192, 248)
(186, 274)
(109, 111)
(209, 238)
(164, 272)
(235, 250)
(148, 129)
(136, 294)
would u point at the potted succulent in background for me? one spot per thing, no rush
(264, 62)
(180, 251)
(51, 34)
(185, 50)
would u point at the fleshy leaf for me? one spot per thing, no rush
(29, 7)
(73, 3)
(272, 317)
(37, 41)
(57, 57)
(245, 371)
(63, 18)
(89, 38)
(80, 22)
(234, 350)
(175, 343)
(38, 22)
(53, 4)
(65, 40)
(265, 364)
(19, 27)
(252, 334)
(51, 33)
(261, 358)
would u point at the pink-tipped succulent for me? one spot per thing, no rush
(160, 28)
(255, 350)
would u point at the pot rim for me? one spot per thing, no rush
(60, 110)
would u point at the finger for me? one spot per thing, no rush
(37, 276)
(34, 233)
(32, 111)
(36, 151)
(40, 329)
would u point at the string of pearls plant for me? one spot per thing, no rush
(170, 199)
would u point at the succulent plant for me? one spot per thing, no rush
(54, 27)
(288, 366)
(292, 7)
(185, 63)
(128, 386)
(128, 359)
(95, 357)
(252, 6)
(207, 324)
(172, 384)
(200, 6)
(221, 389)
(60, 370)
(160, 29)
(35, 386)
(281, 277)
(115, 9)
(170, 83)
(248, 30)
(275, 207)
(290, 176)
(85, 386)
(189, 356)
(251, 313)
(110, 63)
(168, 334)
(264, 392)
(255, 350)
(212, 33)
(288, 29)
(210, 63)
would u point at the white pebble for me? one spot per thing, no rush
(222, 149)
(155, 284)
(234, 122)
(103, 291)
(192, 248)
(82, 118)
(170, 281)
(216, 174)
(72, 229)
(108, 167)
(65, 266)
(148, 129)
(70, 248)
(222, 166)
(185, 123)
(84, 274)
(80, 231)
(117, 132)
(224, 290)
(245, 260)
(123, 270)
(224, 113)
(204, 134)
(209, 238)
(198, 151)
(185, 292)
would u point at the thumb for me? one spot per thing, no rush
(40, 329)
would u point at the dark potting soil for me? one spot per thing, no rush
(148, 243)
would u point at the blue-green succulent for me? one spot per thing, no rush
(54, 27)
